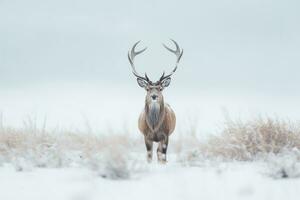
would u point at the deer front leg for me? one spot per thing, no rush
(149, 147)
(162, 150)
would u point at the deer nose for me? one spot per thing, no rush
(154, 96)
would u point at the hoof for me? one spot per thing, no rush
(162, 162)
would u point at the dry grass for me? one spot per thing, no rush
(248, 140)
(20, 141)
(108, 155)
(239, 140)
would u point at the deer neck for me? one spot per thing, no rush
(155, 113)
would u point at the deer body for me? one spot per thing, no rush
(157, 121)
(164, 126)
(158, 130)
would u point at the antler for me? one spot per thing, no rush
(131, 55)
(178, 52)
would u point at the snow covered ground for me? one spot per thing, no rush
(257, 159)
(34, 166)
(232, 180)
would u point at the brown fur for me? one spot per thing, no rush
(167, 122)
(158, 124)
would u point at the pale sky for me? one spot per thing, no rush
(240, 45)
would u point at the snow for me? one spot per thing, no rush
(38, 165)
(218, 180)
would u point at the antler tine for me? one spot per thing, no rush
(178, 52)
(134, 53)
(131, 55)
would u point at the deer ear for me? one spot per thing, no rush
(166, 82)
(142, 83)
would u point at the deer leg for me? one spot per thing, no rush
(162, 150)
(159, 152)
(149, 147)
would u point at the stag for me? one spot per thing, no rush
(157, 120)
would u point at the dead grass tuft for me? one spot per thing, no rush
(247, 140)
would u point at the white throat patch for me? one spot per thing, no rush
(154, 112)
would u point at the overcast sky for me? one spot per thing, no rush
(250, 45)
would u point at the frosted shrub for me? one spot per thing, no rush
(108, 155)
(115, 164)
(286, 164)
(247, 140)
(190, 158)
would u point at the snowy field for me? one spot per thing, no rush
(232, 180)
(258, 159)
(74, 143)
(69, 144)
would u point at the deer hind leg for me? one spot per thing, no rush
(162, 150)
(149, 147)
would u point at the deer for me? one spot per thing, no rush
(157, 120)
